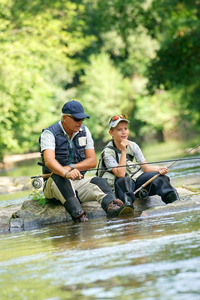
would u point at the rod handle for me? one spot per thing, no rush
(146, 183)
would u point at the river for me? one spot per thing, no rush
(156, 258)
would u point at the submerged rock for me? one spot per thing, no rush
(31, 214)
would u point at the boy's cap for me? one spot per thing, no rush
(114, 121)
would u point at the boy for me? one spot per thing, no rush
(123, 176)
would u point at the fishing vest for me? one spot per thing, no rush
(132, 170)
(66, 154)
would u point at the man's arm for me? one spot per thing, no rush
(89, 162)
(56, 168)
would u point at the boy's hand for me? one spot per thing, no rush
(163, 170)
(123, 145)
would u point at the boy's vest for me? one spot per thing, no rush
(64, 153)
(132, 170)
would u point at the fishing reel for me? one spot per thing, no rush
(143, 194)
(37, 183)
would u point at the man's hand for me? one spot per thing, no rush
(74, 175)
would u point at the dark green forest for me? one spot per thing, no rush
(140, 58)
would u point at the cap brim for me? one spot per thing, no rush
(80, 116)
(113, 124)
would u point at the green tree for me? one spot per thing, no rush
(37, 41)
(104, 92)
(176, 67)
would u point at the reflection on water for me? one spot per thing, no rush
(185, 168)
(155, 258)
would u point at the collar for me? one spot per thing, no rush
(65, 133)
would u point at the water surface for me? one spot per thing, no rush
(154, 258)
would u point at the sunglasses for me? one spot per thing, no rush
(75, 119)
(117, 117)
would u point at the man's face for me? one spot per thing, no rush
(71, 123)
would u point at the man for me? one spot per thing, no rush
(123, 176)
(67, 150)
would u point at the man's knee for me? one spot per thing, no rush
(162, 179)
(64, 186)
(102, 184)
(124, 181)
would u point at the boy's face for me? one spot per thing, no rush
(120, 132)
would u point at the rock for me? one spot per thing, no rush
(175, 207)
(31, 214)
(6, 215)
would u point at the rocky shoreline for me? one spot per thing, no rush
(30, 214)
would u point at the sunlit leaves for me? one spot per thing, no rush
(104, 93)
(35, 47)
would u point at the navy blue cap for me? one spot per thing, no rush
(75, 109)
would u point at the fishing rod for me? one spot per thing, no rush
(148, 163)
(144, 193)
(130, 165)
(38, 179)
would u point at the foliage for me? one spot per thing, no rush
(120, 28)
(176, 24)
(135, 57)
(35, 69)
(36, 195)
(105, 89)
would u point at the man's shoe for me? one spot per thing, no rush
(81, 218)
(118, 202)
(112, 210)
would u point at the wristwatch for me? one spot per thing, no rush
(72, 166)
